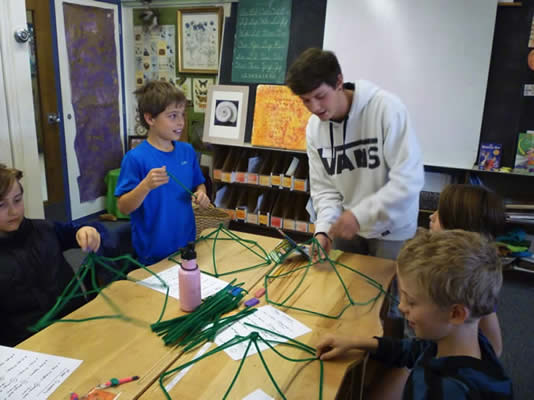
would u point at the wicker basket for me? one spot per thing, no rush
(209, 218)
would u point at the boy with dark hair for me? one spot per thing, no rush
(366, 168)
(33, 270)
(161, 211)
(448, 280)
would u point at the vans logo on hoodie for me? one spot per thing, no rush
(357, 154)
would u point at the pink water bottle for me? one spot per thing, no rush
(189, 279)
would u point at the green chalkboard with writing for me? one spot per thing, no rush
(261, 41)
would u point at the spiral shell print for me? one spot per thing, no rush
(226, 111)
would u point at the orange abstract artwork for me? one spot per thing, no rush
(280, 118)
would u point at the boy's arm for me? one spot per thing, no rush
(393, 352)
(332, 346)
(87, 237)
(130, 201)
(400, 352)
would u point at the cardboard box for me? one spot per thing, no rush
(228, 202)
(265, 170)
(264, 214)
(277, 169)
(229, 166)
(218, 162)
(254, 163)
(241, 204)
(252, 205)
(277, 214)
(300, 178)
(240, 169)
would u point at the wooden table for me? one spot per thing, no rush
(114, 348)
(322, 292)
(110, 348)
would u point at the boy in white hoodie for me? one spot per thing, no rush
(366, 168)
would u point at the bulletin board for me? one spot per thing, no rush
(280, 118)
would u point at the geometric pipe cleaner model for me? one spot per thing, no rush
(253, 339)
(74, 289)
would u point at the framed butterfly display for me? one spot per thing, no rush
(226, 114)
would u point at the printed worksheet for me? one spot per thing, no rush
(32, 376)
(209, 285)
(266, 317)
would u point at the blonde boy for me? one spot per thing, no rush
(447, 281)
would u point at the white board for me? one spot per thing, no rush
(433, 54)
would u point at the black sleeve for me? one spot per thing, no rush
(400, 352)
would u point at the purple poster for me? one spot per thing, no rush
(90, 37)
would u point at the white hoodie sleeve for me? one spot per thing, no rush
(386, 209)
(327, 201)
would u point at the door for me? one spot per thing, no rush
(45, 101)
(88, 43)
(18, 144)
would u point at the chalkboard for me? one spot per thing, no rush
(306, 30)
(261, 42)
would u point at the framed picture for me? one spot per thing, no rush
(135, 140)
(200, 93)
(199, 39)
(226, 114)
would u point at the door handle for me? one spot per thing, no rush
(22, 35)
(53, 118)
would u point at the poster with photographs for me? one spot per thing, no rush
(155, 54)
(200, 93)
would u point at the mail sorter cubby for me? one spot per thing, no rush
(269, 168)
(263, 187)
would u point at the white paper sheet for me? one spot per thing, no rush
(32, 376)
(266, 317)
(208, 284)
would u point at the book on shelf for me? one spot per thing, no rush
(489, 158)
(524, 158)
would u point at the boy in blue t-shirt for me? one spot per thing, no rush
(160, 209)
(448, 280)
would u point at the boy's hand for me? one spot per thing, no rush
(88, 238)
(201, 199)
(332, 346)
(325, 243)
(346, 227)
(156, 177)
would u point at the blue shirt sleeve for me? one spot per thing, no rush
(130, 176)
